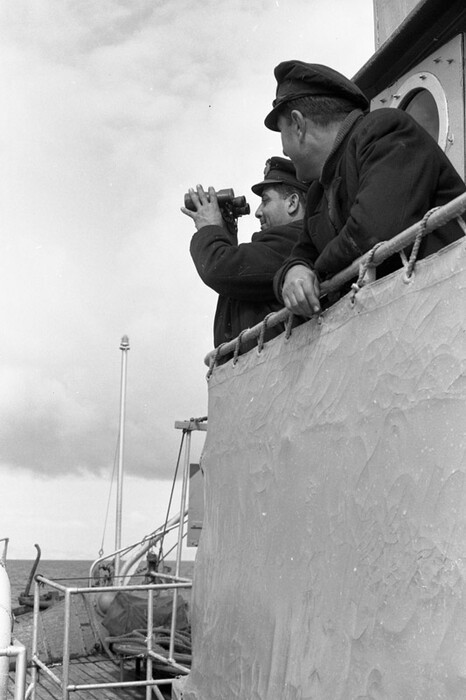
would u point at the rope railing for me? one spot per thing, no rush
(359, 268)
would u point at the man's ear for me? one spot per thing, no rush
(293, 204)
(299, 121)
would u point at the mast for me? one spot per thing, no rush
(124, 347)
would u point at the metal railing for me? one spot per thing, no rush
(15, 650)
(19, 653)
(64, 683)
(174, 583)
(134, 552)
(433, 219)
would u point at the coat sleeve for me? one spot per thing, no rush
(245, 271)
(304, 251)
(391, 173)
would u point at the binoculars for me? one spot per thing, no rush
(235, 206)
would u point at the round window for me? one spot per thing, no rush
(423, 97)
(423, 108)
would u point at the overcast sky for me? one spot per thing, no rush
(111, 109)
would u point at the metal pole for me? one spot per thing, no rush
(20, 669)
(124, 347)
(184, 489)
(35, 638)
(5, 627)
(149, 632)
(66, 646)
(5, 540)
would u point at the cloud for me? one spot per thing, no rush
(112, 110)
(67, 515)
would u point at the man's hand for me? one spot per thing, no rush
(301, 291)
(207, 210)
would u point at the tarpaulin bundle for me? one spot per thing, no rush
(128, 612)
(332, 560)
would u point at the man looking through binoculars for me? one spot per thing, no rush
(242, 274)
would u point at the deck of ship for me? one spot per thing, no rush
(86, 671)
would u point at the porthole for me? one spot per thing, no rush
(422, 107)
(423, 97)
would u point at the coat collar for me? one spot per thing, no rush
(328, 171)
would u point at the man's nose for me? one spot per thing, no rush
(258, 212)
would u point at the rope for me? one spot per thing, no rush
(135, 643)
(447, 212)
(167, 554)
(171, 496)
(417, 243)
(237, 345)
(214, 360)
(461, 224)
(112, 480)
(404, 259)
(288, 326)
(260, 342)
(363, 268)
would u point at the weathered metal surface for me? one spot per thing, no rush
(388, 15)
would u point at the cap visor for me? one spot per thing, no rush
(271, 120)
(258, 189)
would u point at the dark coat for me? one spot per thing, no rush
(384, 173)
(242, 275)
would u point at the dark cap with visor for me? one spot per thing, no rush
(297, 79)
(279, 171)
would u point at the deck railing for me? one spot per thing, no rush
(15, 650)
(133, 554)
(18, 652)
(173, 583)
(363, 268)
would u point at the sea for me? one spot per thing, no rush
(68, 572)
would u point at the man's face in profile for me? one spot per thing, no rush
(273, 209)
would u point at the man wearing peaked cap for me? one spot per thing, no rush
(297, 79)
(373, 175)
(242, 273)
(279, 171)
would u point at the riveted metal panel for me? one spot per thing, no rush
(442, 74)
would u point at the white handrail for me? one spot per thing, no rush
(5, 628)
(64, 682)
(19, 653)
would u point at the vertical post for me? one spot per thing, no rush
(5, 627)
(124, 347)
(5, 540)
(66, 646)
(150, 632)
(184, 490)
(35, 638)
(20, 671)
